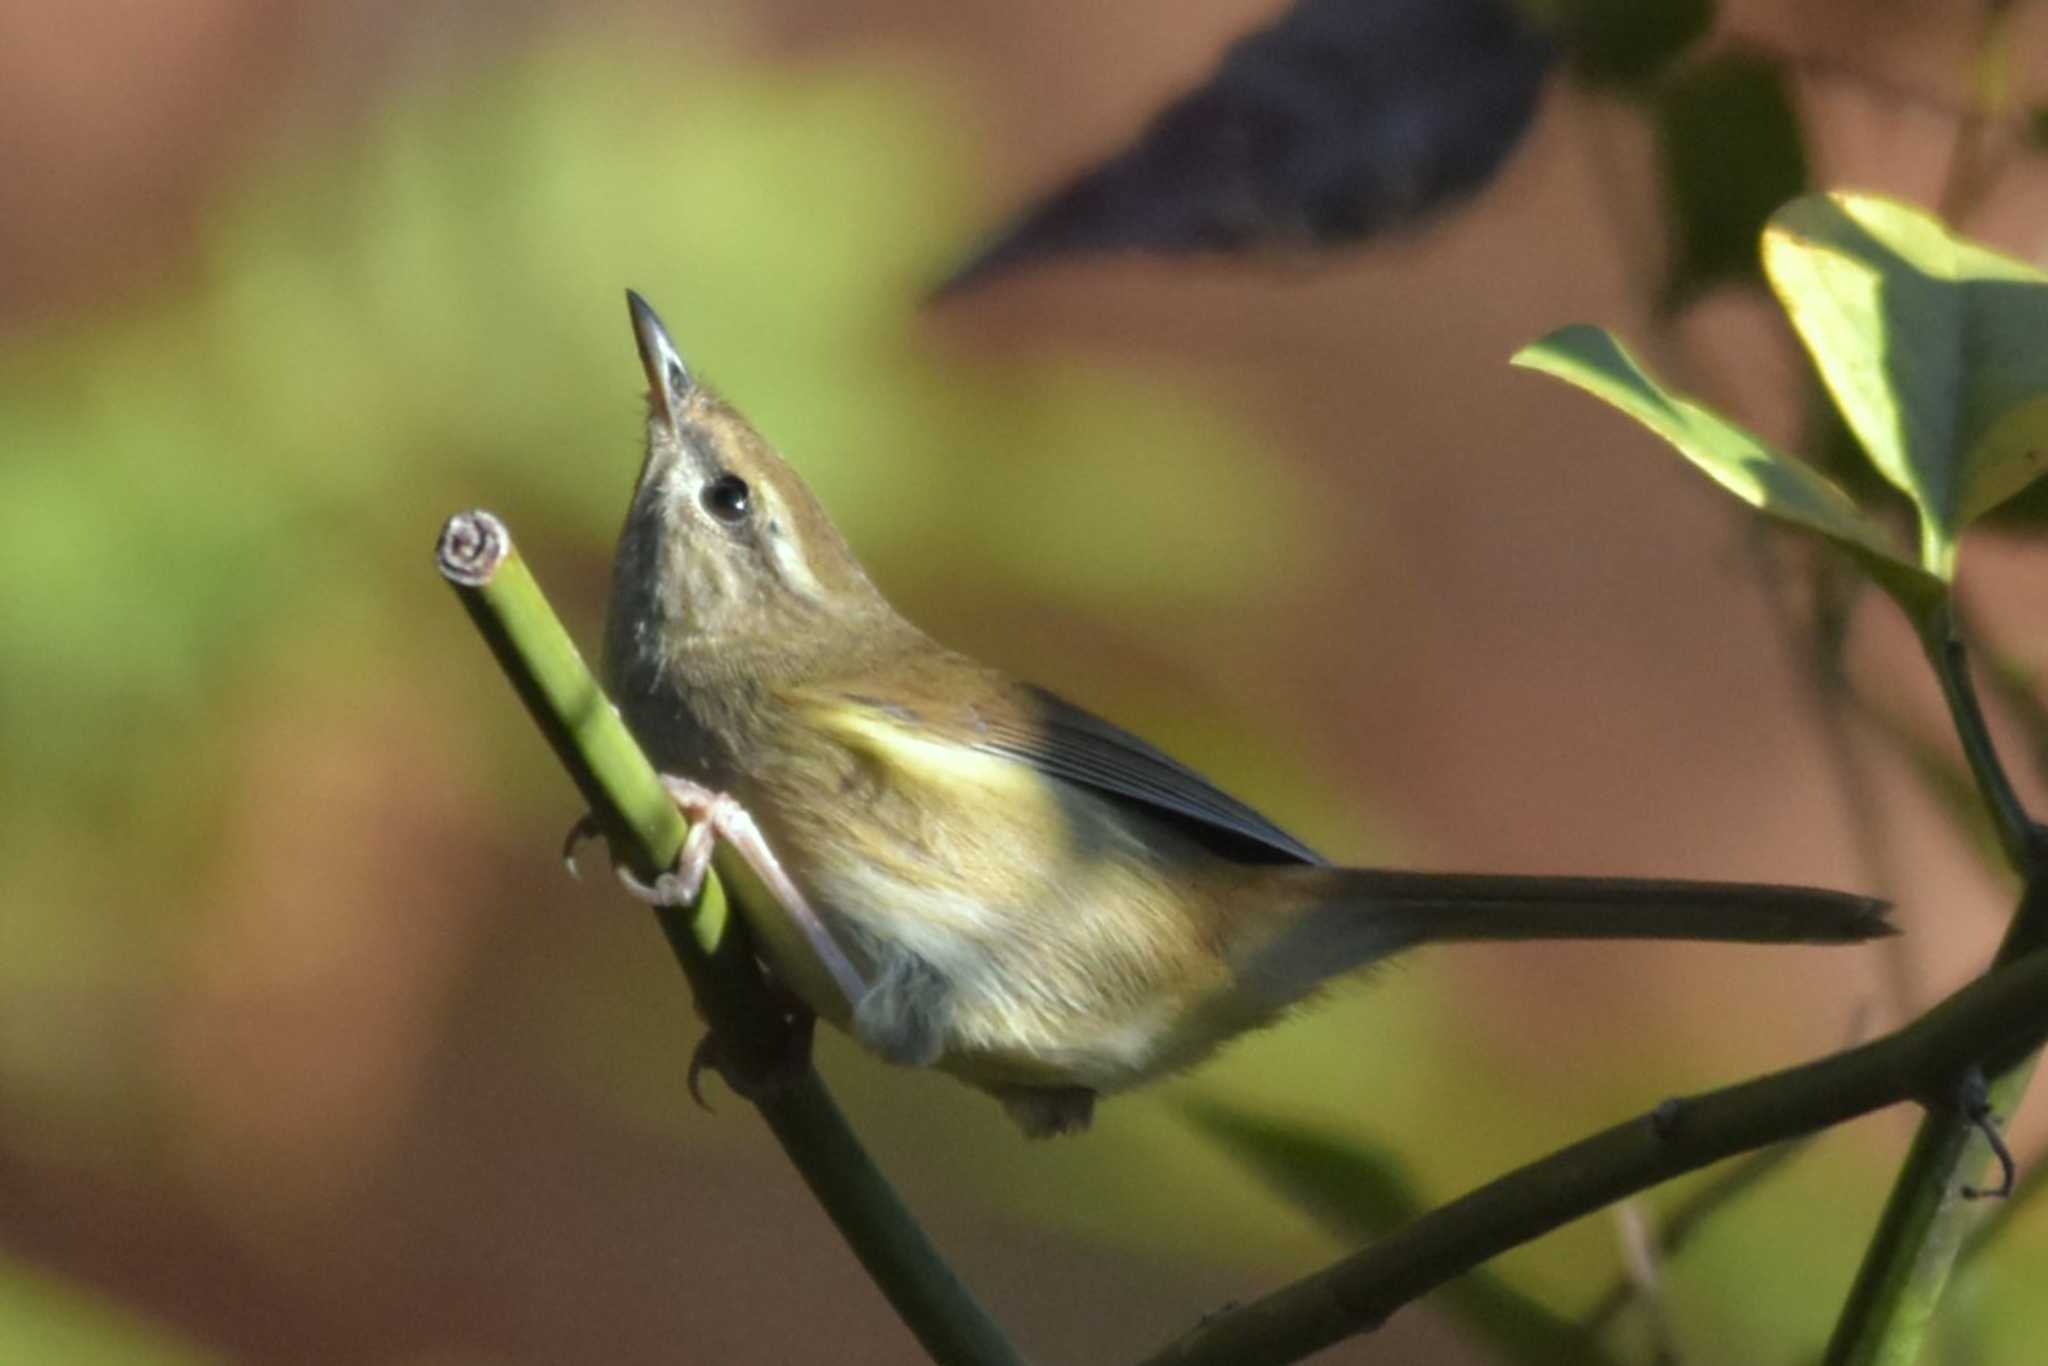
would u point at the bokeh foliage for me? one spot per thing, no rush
(44, 1320)
(219, 499)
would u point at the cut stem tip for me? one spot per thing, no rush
(472, 546)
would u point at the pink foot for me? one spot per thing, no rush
(715, 817)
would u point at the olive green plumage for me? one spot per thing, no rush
(1029, 897)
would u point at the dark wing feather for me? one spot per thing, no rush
(1084, 749)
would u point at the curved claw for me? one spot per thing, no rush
(681, 885)
(1975, 1100)
(704, 1055)
(585, 828)
(780, 1074)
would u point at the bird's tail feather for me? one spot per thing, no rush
(1436, 907)
(1346, 918)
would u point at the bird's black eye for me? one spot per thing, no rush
(727, 498)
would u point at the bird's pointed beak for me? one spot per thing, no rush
(668, 379)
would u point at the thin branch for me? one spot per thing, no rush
(754, 1032)
(1945, 651)
(1359, 1193)
(1996, 1021)
(1691, 1214)
(2013, 687)
(1907, 1265)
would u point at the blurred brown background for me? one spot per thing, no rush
(308, 1053)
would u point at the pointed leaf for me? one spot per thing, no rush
(1777, 484)
(1338, 122)
(1935, 349)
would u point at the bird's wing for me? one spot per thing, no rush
(1068, 742)
(1028, 725)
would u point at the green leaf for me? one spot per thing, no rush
(1779, 485)
(1359, 1192)
(1932, 347)
(1730, 151)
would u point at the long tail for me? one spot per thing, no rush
(1333, 920)
(1440, 907)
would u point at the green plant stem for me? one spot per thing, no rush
(1995, 1021)
(754, 1033)
(2016, 831)
(2013, 687)
(1927, 1217)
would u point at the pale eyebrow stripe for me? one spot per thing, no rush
(789, 560)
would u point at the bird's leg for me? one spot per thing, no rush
(716, 817)
(899, 1014)
(679, 886)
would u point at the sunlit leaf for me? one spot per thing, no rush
(1338, 122)
(1776, 484)
(1932, 347)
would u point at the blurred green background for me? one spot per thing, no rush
(307, 1051)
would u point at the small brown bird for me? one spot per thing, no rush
(971, 873)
